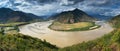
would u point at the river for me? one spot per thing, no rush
(63, 39)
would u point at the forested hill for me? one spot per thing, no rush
(9, 15)
(73, 16)
(116, 21)
(19, 42)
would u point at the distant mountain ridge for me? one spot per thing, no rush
(115, 21)
(73, 16)
(9, 15)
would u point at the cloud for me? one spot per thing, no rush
(113, 12)
(49, 7)
(41, 2)
(70, 2)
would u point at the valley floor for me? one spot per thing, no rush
(63, 39)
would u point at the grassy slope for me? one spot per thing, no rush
(13, 41)
(116, 21)
(19, 42)
(71, 27)
(13, 24)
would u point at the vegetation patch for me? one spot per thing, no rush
(11, 40)
(11, 28)
(115, 21)
(19, 42)
(13, 24)
(81, 26)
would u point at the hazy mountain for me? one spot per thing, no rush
(73, 16)
(8, 15)
(116, 21)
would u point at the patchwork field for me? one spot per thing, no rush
(73, 27)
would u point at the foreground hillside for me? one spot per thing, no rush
(11, 40)
(19, 42)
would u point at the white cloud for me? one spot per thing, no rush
(66, 2)
(114, 12)
(90, 6)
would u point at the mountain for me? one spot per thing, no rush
(115, 21)
(9, 15)
(73, 16)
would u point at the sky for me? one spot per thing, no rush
(49, 7)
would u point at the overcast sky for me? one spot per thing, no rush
(48, 7)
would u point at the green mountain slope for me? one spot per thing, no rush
(116, 21)
(75, 20)
(73, 16)
(19, 42)
(9, 15)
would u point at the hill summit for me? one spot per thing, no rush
(9, 15)
(73, 16)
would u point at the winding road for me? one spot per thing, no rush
(63, 39)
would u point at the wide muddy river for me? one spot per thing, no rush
(63, 39)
